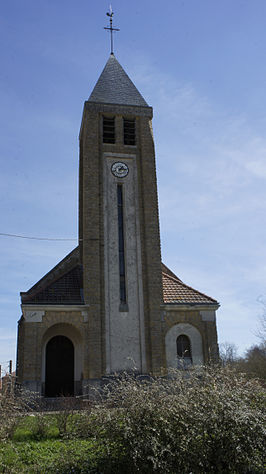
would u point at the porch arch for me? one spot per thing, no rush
(67, 332)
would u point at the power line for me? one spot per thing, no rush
(35, 238)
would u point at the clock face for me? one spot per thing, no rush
(119, 169)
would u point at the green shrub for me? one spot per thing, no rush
(207, 421)
(13, 407)
(65, 415)
(82, 425)
(40, 426)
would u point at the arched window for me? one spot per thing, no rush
(183, 344)
(183, 348)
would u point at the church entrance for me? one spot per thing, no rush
(59, 367)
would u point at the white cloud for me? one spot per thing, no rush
(258, 167)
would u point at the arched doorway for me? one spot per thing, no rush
(59, 367)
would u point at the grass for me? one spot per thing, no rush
(27, 427)
(27, 453)
(45, 456)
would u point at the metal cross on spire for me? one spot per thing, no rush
(110, 28)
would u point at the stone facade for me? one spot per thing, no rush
(33, 336)
(79, 299)
(182, 321)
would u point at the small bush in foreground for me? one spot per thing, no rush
(196, 422)
(13, 407)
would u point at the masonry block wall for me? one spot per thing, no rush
(91, 221)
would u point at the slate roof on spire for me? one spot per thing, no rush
(115, 87)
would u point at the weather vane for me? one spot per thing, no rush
(110, 28)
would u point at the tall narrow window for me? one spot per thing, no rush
(129, 132)
(183, 348)
(121, 244)
(108, 129)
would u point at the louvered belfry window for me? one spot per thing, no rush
(183, 347)
(108, 129)
(129, 132)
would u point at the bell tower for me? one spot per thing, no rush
(119, 229)
(111, 305)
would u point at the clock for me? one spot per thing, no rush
(119, 169)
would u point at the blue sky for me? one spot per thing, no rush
(201, 65)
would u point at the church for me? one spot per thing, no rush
(111, 305)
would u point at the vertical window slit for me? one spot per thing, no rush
(121, 244)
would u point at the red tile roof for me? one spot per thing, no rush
(177, 292)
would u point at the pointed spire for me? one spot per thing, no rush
(115, 87)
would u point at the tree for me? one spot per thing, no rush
(254, 362)
(228, 353)
(261, 332)
(262, 329)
